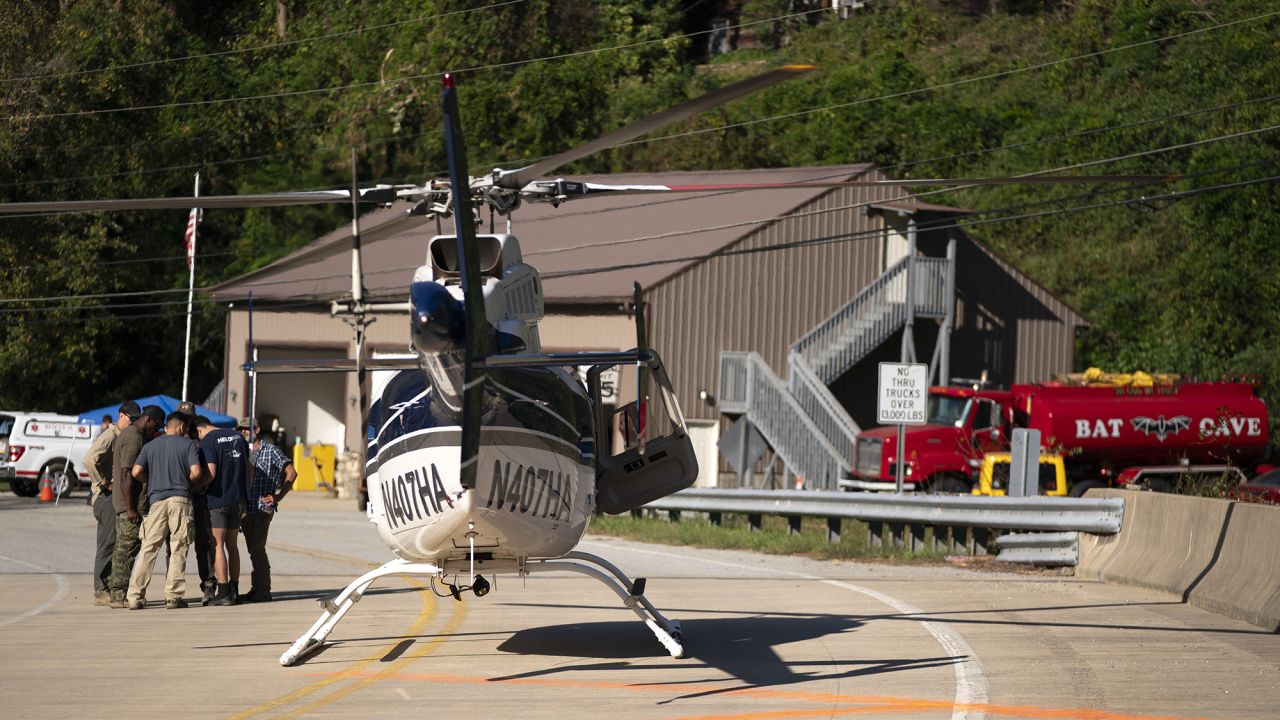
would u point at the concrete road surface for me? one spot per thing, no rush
(767, 637)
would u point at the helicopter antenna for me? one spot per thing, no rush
(478, 335)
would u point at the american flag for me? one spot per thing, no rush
(193, 221)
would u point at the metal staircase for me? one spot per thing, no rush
(802, 421)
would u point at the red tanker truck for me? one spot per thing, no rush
(1108, 436)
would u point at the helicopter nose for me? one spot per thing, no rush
(436, 321)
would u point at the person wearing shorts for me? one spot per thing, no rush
(226, 455)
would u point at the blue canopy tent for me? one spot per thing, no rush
(167, 403)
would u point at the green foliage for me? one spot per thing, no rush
(1191, 286)
(774, 537)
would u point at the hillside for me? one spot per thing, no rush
(1180, 277)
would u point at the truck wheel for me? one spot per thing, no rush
(948, 485)
(22, 488)
(61, 476)
(1084, 486)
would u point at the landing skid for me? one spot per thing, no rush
(631, 594)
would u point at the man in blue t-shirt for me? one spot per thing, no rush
(171, 466)
(227, 456)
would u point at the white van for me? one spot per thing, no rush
(43, 446)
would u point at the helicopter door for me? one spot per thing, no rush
(630, 473)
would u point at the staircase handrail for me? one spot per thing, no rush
(821, 333)
(815, 398)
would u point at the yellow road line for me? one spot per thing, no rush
(452, 626)
(425, 616)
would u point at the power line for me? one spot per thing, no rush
(829, 240)
(100, 263)
(259, 48)
(757, 221)
(953, 83)
(405, 78)
(745, 223)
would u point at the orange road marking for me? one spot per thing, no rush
(866, 703)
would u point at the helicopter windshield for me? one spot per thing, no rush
(946, 409)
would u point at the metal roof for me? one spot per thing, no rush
(647, 238)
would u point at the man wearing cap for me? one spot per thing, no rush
(129, 498)
(270, 480)
(171, 465)
(97, 463)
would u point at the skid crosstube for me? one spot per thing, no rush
(667, 631)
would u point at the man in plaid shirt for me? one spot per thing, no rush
(272, 478)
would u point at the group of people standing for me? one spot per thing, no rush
(193, 484)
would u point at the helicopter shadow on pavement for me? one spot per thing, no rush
(743, 647)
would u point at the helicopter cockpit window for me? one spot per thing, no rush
(444, 256)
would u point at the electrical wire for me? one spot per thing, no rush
(835, 239)
(405, 78)
(848, 237)
(259, 48)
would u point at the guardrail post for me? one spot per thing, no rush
(673, 515)
(875, 534)
(793, 525)
(917, 537)
(714, 518)
(959, 540)
(754, 522)
(833, 530)
(981, 540)
(896, 532)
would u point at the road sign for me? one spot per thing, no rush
(903, 397)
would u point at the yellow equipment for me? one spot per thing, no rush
(315, 464)
(994, 477)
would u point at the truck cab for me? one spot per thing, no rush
(945, 454)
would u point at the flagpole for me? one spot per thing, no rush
(191, 290)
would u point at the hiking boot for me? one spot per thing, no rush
(256, 596)
(207, 596)
(175, 604)
(118, 601)
(138, 604)
(223, 595)
(102, 599)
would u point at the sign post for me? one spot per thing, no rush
(902, 399)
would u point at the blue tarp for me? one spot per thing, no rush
(169, 404)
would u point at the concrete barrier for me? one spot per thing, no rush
(1220, 555)
(1244, 583)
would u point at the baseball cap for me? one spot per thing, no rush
(156, 413)
(243, 424)
(186, 407)
(130, 409)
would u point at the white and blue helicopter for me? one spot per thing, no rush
(486, 456)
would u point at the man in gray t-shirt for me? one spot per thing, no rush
(171, 465)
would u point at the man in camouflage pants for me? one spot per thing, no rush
(128, 498)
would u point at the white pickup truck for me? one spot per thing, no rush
(35, 447)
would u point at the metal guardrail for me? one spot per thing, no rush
(1062, 548)
(1094, 515)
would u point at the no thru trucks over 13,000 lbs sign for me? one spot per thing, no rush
(903, 397)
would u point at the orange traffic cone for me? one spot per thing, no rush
(46, 490)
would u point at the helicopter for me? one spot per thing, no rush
(486, 456)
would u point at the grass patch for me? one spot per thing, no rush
(774, 537)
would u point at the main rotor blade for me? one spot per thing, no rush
(519, 178)
(381, 196)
